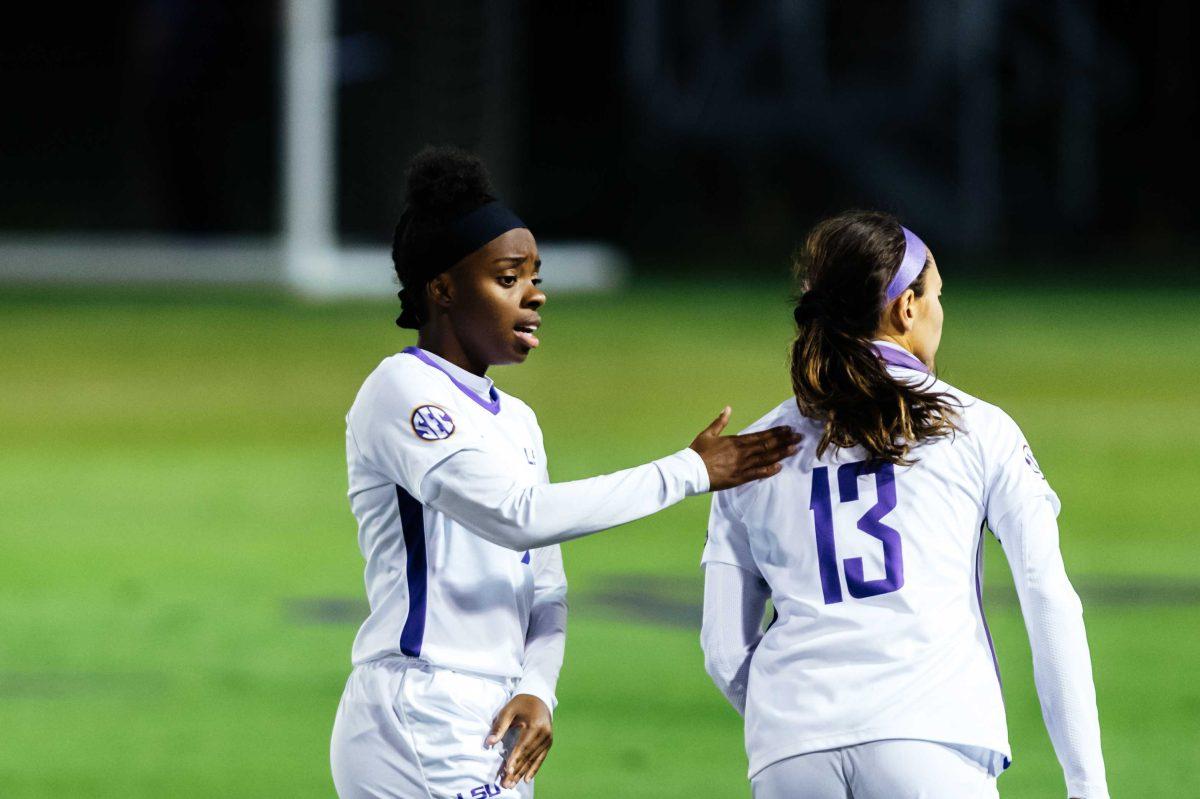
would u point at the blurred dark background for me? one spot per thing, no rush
(684, 132)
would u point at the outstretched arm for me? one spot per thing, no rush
(1062, 665)
(470, 488)
(734, 600)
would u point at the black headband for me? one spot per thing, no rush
(468, 233)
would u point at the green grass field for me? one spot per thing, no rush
(172, 488)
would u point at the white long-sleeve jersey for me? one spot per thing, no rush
(874, 572)
(458, 522)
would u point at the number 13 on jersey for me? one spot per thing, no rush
(870, 523)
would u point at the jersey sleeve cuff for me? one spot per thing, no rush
(689, 467)
(536, 686)
(1087, 790)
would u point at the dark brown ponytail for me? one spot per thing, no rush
(839, 380)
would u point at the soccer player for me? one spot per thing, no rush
(457, 519)
(876, 678)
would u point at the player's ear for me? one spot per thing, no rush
(906, 310)
(441, 290)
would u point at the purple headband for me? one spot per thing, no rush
(915, 253)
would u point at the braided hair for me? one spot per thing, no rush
(442, 184)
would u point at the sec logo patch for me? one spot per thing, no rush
(432, 423)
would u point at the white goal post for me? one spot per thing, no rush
(306, 256)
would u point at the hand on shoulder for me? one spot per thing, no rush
(734, 460)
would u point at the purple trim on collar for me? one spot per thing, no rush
(897, 358)
(492, 407)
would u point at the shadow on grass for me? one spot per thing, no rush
(676, 602)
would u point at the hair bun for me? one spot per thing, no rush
(443, 180)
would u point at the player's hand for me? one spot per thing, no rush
(531, 716)
(733, 460)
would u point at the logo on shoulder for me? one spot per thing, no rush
(432, 423)
(1032, 462)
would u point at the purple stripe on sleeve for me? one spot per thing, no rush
(412, 523)
(492, 407)
(983, 616)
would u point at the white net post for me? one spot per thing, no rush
(314, 264)
(309, 127)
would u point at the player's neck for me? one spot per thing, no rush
(441, 341)
(899, 339)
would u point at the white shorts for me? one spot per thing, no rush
(892, 769)
(409, 730)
